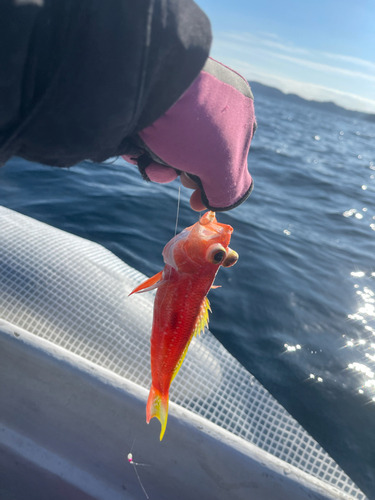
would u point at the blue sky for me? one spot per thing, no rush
(321, 50)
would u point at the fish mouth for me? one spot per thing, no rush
(207, 218)
(210, 228)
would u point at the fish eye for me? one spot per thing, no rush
(230, 259)
(216, 254)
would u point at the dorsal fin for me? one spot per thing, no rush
(202, 320)
(200, 324)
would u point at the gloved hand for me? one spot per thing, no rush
(204, 137)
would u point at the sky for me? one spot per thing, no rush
(322, 50)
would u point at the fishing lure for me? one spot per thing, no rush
(192, 259)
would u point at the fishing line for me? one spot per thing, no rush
(134, 464)
(178, 209)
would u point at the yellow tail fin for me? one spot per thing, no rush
(157, 406)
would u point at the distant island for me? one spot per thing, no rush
(257, 87)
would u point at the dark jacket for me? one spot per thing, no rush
(79, 77)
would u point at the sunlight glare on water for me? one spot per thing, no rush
(364, 367)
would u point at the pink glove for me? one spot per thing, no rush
(207, 135)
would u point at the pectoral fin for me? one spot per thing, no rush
(149, 284)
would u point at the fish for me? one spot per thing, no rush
(192, 259)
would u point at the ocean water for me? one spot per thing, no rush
(298, 309)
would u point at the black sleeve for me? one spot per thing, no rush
(78, 77)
